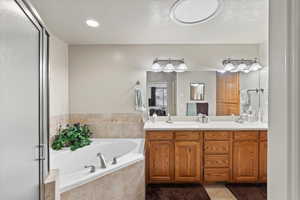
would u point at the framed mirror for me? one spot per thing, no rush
(197, 91)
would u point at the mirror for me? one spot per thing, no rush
(207, 92)
(197, 91)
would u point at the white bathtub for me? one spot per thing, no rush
(71, 163)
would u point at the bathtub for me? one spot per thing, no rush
(71, 163)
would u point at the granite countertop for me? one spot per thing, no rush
(212, 125)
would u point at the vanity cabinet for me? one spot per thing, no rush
(188, 152)
(245, 157)
(187, 161)
(263, 151)
(209, 156)
(217, 156)
(160, 153)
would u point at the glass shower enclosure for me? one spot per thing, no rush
(23, 101)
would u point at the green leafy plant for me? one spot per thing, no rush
(74, 136)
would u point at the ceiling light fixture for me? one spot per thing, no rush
(168, 65)
(195, 11)
(92, 23)
(241, 65)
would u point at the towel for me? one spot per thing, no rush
(202, 108)
(139, 105)
(191, 109)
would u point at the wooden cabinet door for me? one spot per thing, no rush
(187, 161)
(245, 161)
(228, 94)
(263, 151)
(161, 161)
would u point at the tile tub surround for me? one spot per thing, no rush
(52, 185)
(127, 125)
(127, 183)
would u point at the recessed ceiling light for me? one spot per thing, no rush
(92, 23)
(195, 11)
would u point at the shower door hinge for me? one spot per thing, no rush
(39, 152)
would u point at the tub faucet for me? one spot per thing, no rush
(103, 164)
(92, 168)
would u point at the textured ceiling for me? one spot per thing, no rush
(148, 22)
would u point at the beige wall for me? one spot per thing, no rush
(102, 77)
(58, 83)
(59, 75)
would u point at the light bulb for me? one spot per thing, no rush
(229, 67)
(92, 23)
(169, 68)
(246, 71)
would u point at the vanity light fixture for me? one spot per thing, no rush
(92, 23)
(168, 65)
(241, 65)
(191, 12)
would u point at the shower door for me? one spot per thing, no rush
(23, 102)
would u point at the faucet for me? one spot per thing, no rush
(202, 118)
(92, 168)
(103, 164)
(169, 120)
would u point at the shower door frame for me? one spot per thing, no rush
(43, 146)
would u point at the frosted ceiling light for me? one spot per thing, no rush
(92, 23)
(169, 68)
(195, 11)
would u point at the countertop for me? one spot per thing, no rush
(212, 125)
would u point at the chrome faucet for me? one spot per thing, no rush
(202, 118)
(92, 168)
(169, 120)
(103, 164)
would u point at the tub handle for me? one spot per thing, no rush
(115, 161)
(93, 168)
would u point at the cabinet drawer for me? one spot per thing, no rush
(263, 135)
(151, 135)
(217, 135)
(246, 135)
(186, 135)
(216, 161)
(217, 147)
(217, 175)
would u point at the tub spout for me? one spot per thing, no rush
(103, 164)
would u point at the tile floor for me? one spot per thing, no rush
(207, 192)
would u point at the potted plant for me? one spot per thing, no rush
(74, 136)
